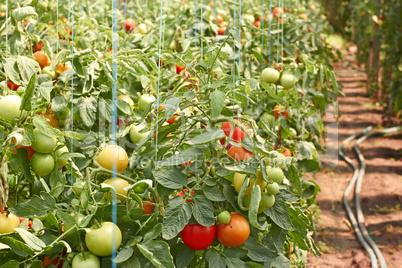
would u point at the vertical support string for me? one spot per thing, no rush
(270, 17)
(216, 13)
(262, 33)
(71, 16)
(6, 34)
(195, 23)
(57, 26)
(159, 79)
(114, 115)
(282, 33)
(240, 45)
(201, 32)
(234, 53)
(125, 10)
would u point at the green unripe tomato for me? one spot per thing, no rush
(78, 186)
(42, 164)
(61, 162)
(135, 135)
(47, 71)
(43, 143)
(288, 81)
(10, 107)
(270, 75)
(104, 240)
(273, 188)
(224, 217)
(267, 201)
(275, 174)
(144, 101)
(86, 260)
(269, 119)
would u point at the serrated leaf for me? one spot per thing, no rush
(16, 246)
(170, 178)
(208, 136)
(203, 210)
(31, 240)
(217, 99)
(213, 194)
(178, 213)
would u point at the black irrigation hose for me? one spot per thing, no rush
(357, 178)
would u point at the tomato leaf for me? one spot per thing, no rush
(203, 210)
(36, 207)
(178, 213)
(18, 247)
(21, 13)
(213, 194)
(170, 106)
(208, 136)
(276, 237)
(280, 261)
(217, 99)
(31, 240)
(27, 67)
(279, 214)
(257, 251)
(184, 257)
(254, 205)
(124, 255)
(157, 252)
(215, 259)
(170, 178)
(187, 155)
(87, 111)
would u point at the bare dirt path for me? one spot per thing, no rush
(381, 193)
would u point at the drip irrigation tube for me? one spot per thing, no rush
(356, 180)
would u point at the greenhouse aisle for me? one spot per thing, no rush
(380, 195)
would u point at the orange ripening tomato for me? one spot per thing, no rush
(42, 59)
(129, 24)
(257, 23)
(219, 18)
(277, 12)
(51, 119)
(278, 110)
(239, 153)
(235, 233)
(148, 208)
(221, 30)
(181, 193)
(286, 152)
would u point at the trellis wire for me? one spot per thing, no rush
(270, 35)
(72, 82)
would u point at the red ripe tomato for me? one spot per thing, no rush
(278, 110)
(12, 86)
(219, 19)
(129, 25)
(197, 236)
(42, 59)
(239, 153)
(221, 30)
(257, 23)
(173, 119)
(148, 208)
(57, 262)
(277, 12)
(38, 46)
(182, 194)
(286, 152)
(235, 233)
(237, 135)
(179, 68)
(258, 19)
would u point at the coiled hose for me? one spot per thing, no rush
(356, 180)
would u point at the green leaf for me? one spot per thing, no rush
(280, 261)
(26, 99)
(208, 136)
(254, 205)
(279, 214)
(215, 259)
(65, 217)
(293, 175)
(19, 248)
(258, 251)
(36, 207)
(87, 111)
(124, 255)
(187, 155)
(45, 89)
(170, 178)
(28, 67)
(41, 124)
(276, 237)
(153, 233)
(217, 99)
(31, 240)
(203, 210)
(21, 13)
(10, 264)
(213, 194)
(178, 213)
(158, 253)
(170, 106)
(308, 165)
(184, 257)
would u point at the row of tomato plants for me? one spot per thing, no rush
(197, 160)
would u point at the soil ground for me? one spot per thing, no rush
(381, 193)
